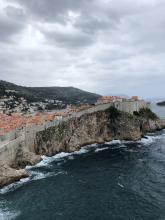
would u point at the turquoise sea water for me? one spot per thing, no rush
(116, 180)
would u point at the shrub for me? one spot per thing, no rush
(136, 113)
(113, 113)
(146, 113)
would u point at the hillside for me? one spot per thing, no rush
(68, 95)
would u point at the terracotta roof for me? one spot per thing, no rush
(9, 123)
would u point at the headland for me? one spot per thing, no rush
(23, 139)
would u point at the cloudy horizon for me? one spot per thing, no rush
(102, 46)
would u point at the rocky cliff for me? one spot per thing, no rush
(73, 133)
(91, 128)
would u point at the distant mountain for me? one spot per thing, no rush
(68, 95)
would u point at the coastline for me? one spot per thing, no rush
(73, 134)
(63, 156)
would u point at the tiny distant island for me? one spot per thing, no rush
(161, 103)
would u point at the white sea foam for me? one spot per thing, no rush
(148, 140)
(113, 142)
(33, 175)
(119, 146)
(46, 161)
(91, 145)
(145, 141)
(14, 186)
(101, 149)
(131, 150)
(71, 157)
(119, 184)
(60, 156)
(6, 213)
(81, 151)
(39, 175)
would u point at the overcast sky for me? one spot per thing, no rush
(103, 46)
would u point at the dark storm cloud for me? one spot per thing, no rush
(106, 46)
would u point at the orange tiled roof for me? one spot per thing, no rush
(9, 123)
(109, 98)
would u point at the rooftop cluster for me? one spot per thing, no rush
(107, 99)
(12, 102)
(19, 121)
(9, 123)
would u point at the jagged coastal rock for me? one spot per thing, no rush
(91, 128)
(10, 175)
(73, 133)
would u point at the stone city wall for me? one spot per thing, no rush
(9, 150)
(26, 135)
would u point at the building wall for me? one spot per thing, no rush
(126, 106)
(131, 106)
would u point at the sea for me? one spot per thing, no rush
(117, 180)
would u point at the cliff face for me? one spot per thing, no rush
(13, 158)
(91, 128)
(70, 135)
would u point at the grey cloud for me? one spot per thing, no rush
(15, 13)
(71, 40)
(104, 46)
(11, 22)
(91, 24)
(9, 27)
(54, 9)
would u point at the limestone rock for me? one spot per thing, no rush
(10, 175)
(91, 128)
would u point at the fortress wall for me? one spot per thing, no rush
(6, 137)
(9, 150)
(126, 106)
(55, 122)
(31, 130)
(96, 108)
(28, 133)
(12, 135)
(130, 106)
(25, 137)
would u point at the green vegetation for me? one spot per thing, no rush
(146, 113)
(113, 113)
(2, 91)
(136, 113)
(68, 95)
